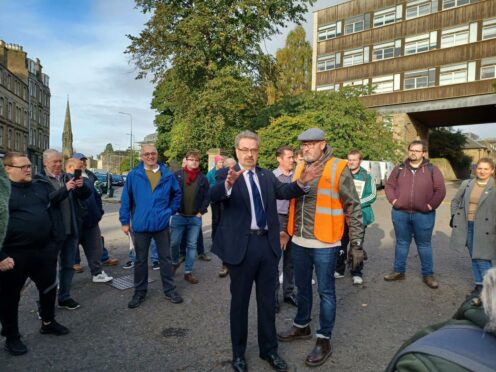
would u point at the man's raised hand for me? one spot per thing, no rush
(311, 172)
(232, 176)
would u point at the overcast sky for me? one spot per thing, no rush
(80, 44)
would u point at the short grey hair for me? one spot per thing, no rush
(246, 134)
(142, 151)
(488, 298)
(49, 152)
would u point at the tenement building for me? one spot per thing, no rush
(428, 63)
(24, 104)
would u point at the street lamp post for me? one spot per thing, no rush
(131, 136)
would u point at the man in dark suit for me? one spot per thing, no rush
(247, 240)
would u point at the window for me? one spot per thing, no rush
(385, 17)
(455, 36)
(9, 111)
(327, 32)
(9, 139)
(355, 24)
(353, 57)
(1, 136)
(419, 79)
(325, 87)
(488, 68)
(383, 51)
(416, 9)
(326, 63)
(417, 44)
(489, 29)
(383, 84)
(447, 4)
(453, 74)
(2, 102)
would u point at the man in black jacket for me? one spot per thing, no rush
(31, 231)
(72, 211)
(187, 221)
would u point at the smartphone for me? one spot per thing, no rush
(77, 174)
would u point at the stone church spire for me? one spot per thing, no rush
(67, 149)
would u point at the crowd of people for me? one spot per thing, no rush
(312, 210)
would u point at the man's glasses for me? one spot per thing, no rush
(193, 160)
(417, 151)
(248, 151)
(21, 167)
(148, 154)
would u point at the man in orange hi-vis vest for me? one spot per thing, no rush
(316, 224)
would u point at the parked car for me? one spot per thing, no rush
(117, 180)
(374, 169)
(102, 182)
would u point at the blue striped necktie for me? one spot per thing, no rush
(257, 201)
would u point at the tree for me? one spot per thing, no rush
(448, 143)
(206, 59)
(346, 121)
(294, 65)
(108, 148)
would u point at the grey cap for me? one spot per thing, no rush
(312, 134)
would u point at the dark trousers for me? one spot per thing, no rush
(344, 253)
(216, 214)
(259, 266)
(141, 246)
(41, 267)
(91, 241)
(287, 270)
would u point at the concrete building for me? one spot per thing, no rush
(24, 104)
(430, 63)
(111, 161)
(478, 148)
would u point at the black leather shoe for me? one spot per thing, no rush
(291, 299)
(239, 364)
(276, 362)
(136, 301)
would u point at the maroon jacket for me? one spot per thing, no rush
(414, 191)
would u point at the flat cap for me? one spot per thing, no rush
(79, 156)
(312, 134)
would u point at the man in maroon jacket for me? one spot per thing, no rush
(415, 189)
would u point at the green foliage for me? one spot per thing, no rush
(345, 120)
(125, 165)
(448, 143)
(109, 148)
(294, 65)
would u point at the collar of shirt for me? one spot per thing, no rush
(278, 171)
(155, 170)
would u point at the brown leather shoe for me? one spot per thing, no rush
(77, 268)
(191, 279)
(224, 271)
(394, 276)
(320, 353)
(295, 333)
(111, 262)
(431, 282)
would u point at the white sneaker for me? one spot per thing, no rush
(338, 275)
(102, 278)
(357, 280)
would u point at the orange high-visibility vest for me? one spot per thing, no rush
(328, 225)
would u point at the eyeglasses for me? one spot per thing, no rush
(307, 145)
(21, 167)
(248, 151)
(417, 151)
(193, 160)
(148, 154)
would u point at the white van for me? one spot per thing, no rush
(386, 169)
(374, 169)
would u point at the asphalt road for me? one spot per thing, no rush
(372, 321)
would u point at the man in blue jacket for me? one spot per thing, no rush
(150, 197)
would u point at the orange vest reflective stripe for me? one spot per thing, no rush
(328, 226)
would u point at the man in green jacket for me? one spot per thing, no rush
(365, 187)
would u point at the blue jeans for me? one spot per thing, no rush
(479, 267)
(419, 226)
(190, 226)
(324, 261)
(153, 253)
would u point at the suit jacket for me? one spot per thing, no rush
(232, 235)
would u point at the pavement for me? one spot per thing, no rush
(372, 321)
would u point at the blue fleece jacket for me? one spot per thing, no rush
(146, 210)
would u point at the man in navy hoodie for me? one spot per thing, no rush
(150, 197)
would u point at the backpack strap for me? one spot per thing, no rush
(465, 345)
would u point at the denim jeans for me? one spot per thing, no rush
(190, 226)
(479, 267)
(153, 253)
(419, 226)
(324, 262)
(66, 266)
